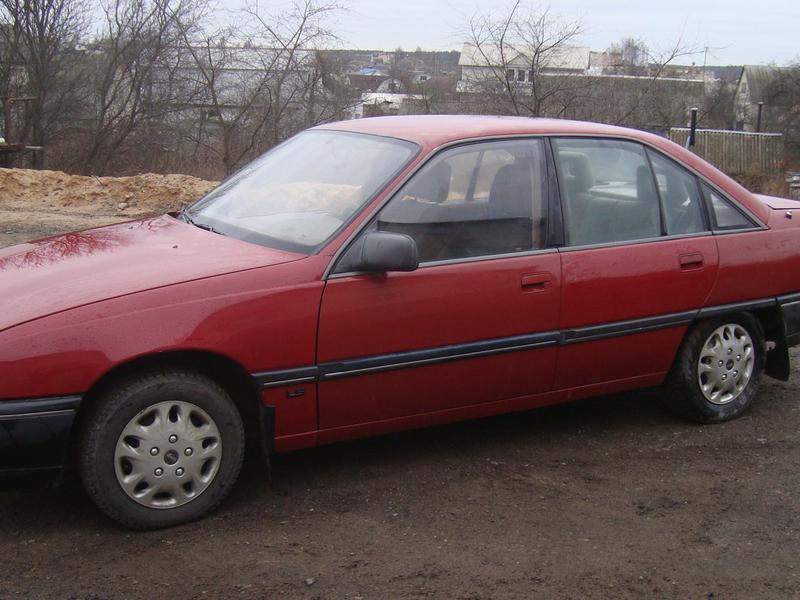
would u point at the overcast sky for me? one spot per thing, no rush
(737, 31)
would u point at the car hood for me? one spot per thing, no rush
(66, 271)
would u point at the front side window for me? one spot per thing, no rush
(301, 193)
(476, 200)
(608, 191)
(680, 196)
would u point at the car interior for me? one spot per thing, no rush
(489, 202)
(449, 225)
(600, 210)
(603, 211)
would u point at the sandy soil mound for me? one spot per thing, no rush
(140, 193)
(36, 204)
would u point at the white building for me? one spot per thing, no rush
(482, 64)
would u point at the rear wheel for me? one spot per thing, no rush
(161, 448)
(718, 369)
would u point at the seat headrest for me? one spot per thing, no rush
(434, 186)
(676, 193)
(645, 187)
(577, 171)
(511, 194)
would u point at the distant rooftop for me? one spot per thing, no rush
(573, 58)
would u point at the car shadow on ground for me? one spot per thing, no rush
(619, 411)
(67, 506)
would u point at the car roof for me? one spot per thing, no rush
(435, 130)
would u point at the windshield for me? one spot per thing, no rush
(302, 192)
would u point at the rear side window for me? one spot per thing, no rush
(476, 200)
(724, 215)
(680, 196)
(608, 191)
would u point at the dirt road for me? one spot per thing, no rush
(608, 498)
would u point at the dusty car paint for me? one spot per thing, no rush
(337, 356)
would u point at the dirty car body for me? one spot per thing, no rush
(384, 274)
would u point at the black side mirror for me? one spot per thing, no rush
(379, 252)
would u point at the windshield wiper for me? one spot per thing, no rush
(185, 216)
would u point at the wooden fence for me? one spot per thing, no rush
(735, 151)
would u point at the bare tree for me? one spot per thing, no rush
(228, 110)
(126, 62)
(525, 59)
(717, 109)
(328, 96)
(44, 36)
(653, 96)
(294, 36)
(630, 53)
(258, 82)
(783, 97)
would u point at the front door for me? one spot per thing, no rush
(476, 323)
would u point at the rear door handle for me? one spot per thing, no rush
(692, 260)
(533, 282)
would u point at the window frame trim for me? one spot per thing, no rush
(701, 179)
(697, 183)
(436, 153)
(320, 247)
(328, 272)
(712, 216)
(644, 147)
(662, 212)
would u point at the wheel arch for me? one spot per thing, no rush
(223, 370)
(770, 317)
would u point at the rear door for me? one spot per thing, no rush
(639, 260)
(476, 322)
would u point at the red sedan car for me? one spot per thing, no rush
(383, 274)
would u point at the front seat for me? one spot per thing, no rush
(421, 214)
(510, 209)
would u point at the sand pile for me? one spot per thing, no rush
(139, 194)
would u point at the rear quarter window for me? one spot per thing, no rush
(724, 214)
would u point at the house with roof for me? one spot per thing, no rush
(759, 84)
(481, 64)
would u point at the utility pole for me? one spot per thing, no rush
(692, 128)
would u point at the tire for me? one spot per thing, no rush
(702, 389)
(161, 448)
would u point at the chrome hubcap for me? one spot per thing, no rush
(168, 454)
(726, 363)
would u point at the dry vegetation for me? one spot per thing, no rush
(771, 184)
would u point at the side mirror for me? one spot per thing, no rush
(379, 252)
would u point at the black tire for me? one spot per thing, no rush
(115, 409)
(683, 390)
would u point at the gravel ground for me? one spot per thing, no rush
(612, 497)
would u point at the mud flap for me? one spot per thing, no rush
(778, 366)
(266, 436)
(788, 334)
(790, 315)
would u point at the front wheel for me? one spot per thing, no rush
(718, 369)
(161, 448)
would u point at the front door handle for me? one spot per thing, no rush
(533, 282)
(692, 260)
